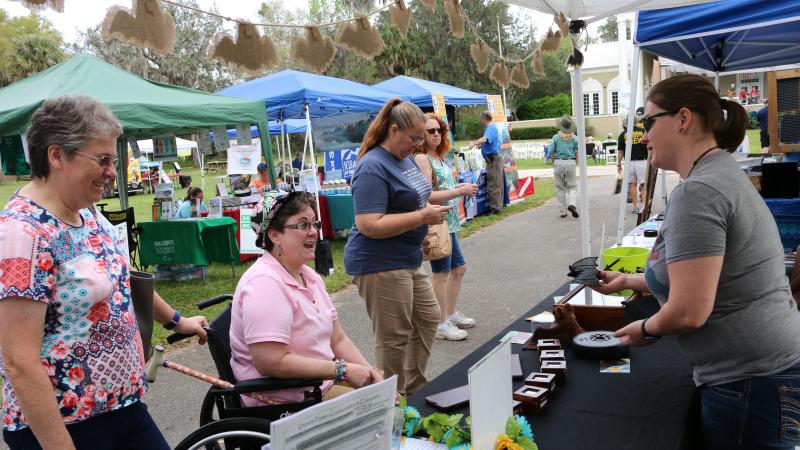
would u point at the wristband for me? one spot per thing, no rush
(341, 370)
(646, 335)
(174, 321)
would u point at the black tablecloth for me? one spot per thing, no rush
(654, 407)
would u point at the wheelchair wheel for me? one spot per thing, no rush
(209, 408)
(244, 433)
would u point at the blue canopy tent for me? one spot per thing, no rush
(721, 37)
(292, 126)
(420, 91)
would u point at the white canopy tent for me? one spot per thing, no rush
(580, 13)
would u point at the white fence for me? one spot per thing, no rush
(529, 150)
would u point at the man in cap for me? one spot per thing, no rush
(638, 169)
(490, 149)
(263, 181)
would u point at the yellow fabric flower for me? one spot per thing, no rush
(505, 443)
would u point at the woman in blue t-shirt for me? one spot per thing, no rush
(384, 251)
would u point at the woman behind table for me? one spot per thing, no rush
(384, 251)
(72, 361)
(449, 271)
(717, 268)
(564, 151)
(193, 196)
(283, 322)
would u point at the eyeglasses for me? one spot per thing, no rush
(304, 226)
(416, 140)
(434, 130)
(648, 121)
(103, 161)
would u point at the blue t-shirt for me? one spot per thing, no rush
(492, 144)
(762, 116)
(185, 210)
(384, 184)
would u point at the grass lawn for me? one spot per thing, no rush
(184, 295)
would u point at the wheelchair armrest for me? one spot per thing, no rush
(272, 384)
(214, 300)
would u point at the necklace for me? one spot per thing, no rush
(699, 158)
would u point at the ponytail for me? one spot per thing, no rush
(397, 111)
(734, 126)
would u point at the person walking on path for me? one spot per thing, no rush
(564, 152)
(449, 271)
(763, 124)
(490, 149)
(636, 186)
(384, 251)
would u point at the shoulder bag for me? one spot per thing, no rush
(436, 244)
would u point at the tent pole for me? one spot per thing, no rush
(716, 81)
(266, 148)
(628, 143)
(122, 172)
(577, 90)
(310, 140)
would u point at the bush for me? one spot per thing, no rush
(469, 128)
(519, 134)
(545, 107)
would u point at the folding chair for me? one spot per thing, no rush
(129, 219)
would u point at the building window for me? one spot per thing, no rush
(586, 104)
(595, 103)
(614, 102)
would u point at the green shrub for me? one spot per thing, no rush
(519, 134)
(469, 128)
(545, 107)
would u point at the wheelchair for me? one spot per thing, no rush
(224, 422)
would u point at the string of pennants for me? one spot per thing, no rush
(148, 25)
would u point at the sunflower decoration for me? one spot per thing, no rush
(518, 435)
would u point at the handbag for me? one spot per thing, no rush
(436, 244)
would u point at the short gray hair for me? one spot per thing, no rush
(69, 122)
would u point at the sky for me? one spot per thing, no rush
(82, 14)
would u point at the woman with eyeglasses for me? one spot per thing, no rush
(717, 269)
(283, 323)
(384, 251)
(72, 360)
(449, 271)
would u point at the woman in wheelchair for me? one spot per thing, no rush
(283, 323)
(71, 356)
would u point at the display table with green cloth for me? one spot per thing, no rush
(192, 241)
(340, 207)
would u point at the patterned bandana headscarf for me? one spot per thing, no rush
(265, 210)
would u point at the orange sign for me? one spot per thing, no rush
(496, 109)
(438, 105)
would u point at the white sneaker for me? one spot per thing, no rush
(450, 332)
(637, 210)
(461, 321)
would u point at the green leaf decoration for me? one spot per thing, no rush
(403, 402)
(513, 428)
(526, 443)
(454, 420)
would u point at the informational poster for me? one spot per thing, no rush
(165, 148)
(497, 110)
(243, 159)
(438, 105)
(361, 419)
(221, 142)
(247, 236)
(495, 106)
(339, 138)
(215, 207)
(243, 134)
(204, 142)
(340, 164)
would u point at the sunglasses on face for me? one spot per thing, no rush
(648, 121)
(103, 161)
(433, 131)
(304, 226)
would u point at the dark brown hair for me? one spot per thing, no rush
(193, 192)
(699, 95)
(404, 114)
(289, 205)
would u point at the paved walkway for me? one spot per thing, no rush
(512, 266)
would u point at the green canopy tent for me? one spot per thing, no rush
(145, 108)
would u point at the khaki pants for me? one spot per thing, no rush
(494, 182)
(404, 314)
(566, 183)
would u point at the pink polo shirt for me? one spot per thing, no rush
(270, 306)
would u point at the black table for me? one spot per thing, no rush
(654, 407)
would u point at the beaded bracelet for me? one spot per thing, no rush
(341, 370)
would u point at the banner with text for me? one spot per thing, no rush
(339, 138)
(497, 110)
